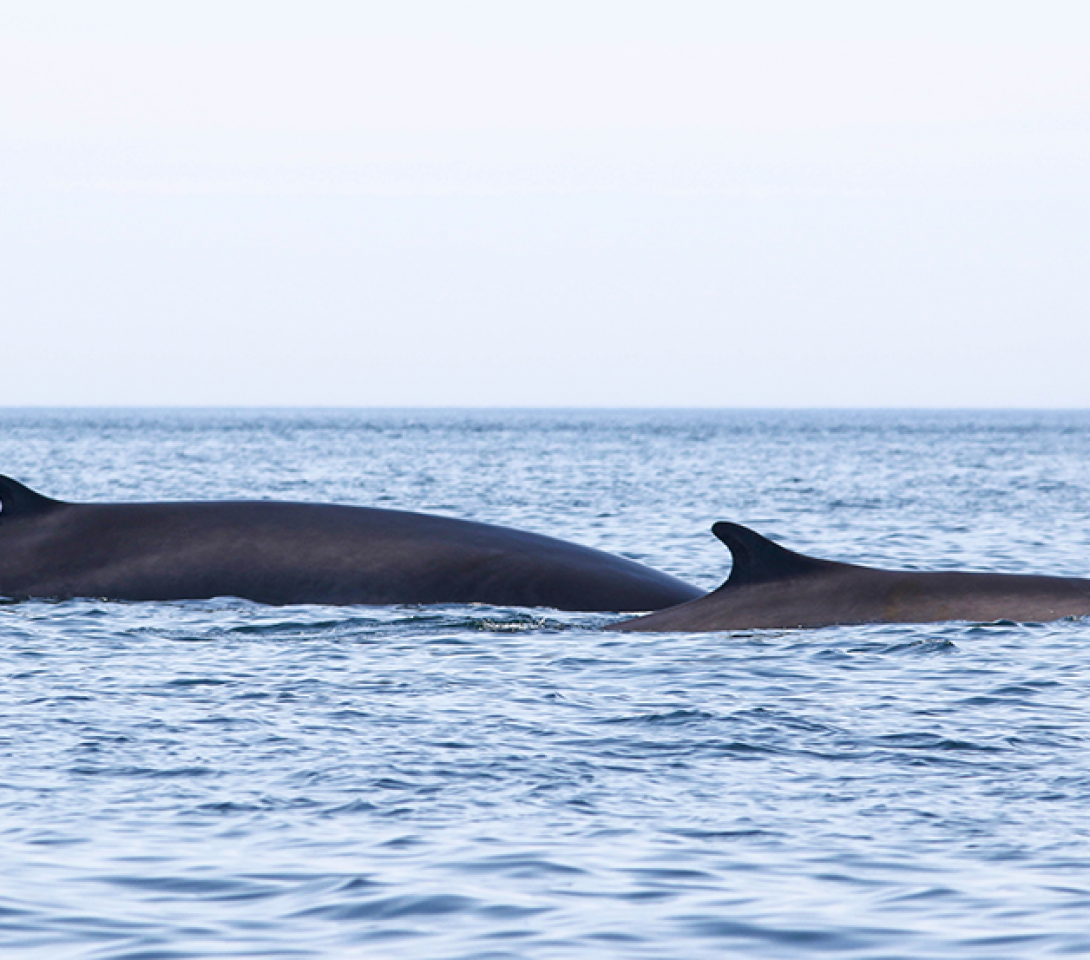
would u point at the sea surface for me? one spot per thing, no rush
(225, 779)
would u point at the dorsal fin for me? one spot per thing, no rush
(759, 560)
(18, 501)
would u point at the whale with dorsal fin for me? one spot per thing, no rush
(771, 587)
(285, 553)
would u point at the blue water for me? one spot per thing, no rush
(222, 779)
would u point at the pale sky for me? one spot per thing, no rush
(521, 203)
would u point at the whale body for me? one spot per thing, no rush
(285, 553)
(772, 587)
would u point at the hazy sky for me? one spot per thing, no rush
(630, 203)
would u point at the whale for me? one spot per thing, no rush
(772, 587)
(279, 552)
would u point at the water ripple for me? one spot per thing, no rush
(220, 779)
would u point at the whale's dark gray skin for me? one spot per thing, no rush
(770, 587)
(284, 553)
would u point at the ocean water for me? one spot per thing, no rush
(223, 779)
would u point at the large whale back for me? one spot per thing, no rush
(282, 553)
(772, 587)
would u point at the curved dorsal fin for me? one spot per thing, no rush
(759, 560)
(18, 501)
